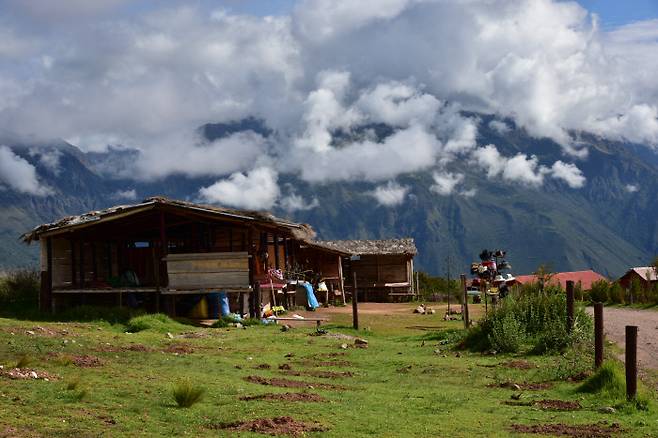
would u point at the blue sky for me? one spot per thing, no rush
(619, 12)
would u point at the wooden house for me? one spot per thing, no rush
(384, 268)
(163, 253)
(646, 276)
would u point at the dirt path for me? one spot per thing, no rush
(614, 322)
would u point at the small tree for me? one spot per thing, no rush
(544, 276)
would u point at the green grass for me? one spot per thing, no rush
(408, 382)
(608, 380)
(186, 394)
(156, 322)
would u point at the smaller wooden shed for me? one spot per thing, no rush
(384, 268)
(646, 276)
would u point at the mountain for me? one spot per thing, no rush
(606, 225)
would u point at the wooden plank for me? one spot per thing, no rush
(198, 291)
(218, 265)
(208, 256)
(208, 280)
(106, 291)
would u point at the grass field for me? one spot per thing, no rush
(410, 381)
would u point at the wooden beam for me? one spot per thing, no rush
(276, 251)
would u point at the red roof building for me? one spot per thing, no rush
(585, 278)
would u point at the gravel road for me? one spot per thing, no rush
(614, 322)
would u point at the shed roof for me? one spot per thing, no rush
(372, 247)
(300, 231)
(647, 273)
(585, 278)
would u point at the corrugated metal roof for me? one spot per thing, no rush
(586, 278)
(372, 247)
(648, 273)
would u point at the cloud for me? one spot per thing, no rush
(390, 194)
(255, 190)
(48, 158)
(632, 188)
(295, 202)
(147, 77)
(128, 195)
(445, 183)
(568, 173)
(500, 127)
(20, 175)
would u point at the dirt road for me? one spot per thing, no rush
(614, 322)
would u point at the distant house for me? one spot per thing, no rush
(584, 278)
(384, 268)
(646, 275)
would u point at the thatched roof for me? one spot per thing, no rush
(371, 247)
(300, 231)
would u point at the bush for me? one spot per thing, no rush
(616, 294)
(608, 380)
(599, 292)
(507, 334)
(157, 322)
(19, 290)
(536, 318)
(186, 394)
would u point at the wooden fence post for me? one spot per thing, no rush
(598, 334)
(355, 308)
(631, 362)
(465, 317)
(570, 304)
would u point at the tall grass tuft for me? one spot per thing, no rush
(186, 394)
(608, 380)
(157, 322)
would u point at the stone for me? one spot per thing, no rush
(361, 343)
(607, 410)
(30, 332)
(238, 325)
(285, 328)
(515, 396)
(516, 387)
(420, 309)
(170, 336)
(33, 375)
(343, 346)
(429, 311)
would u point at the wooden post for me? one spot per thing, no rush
(164, 249)
(276, 250)
(598, 334)
(465, 317)
(74, 277)
(570, 304)
(340, 277)
(81, 261)
(631, 362)
(355, 306)
(46, 289)
(156, 275)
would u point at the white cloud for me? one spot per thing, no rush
(150, 77)
(499, 126)
(569, 173)
(632, 188)
(255, 190)
(294, 202)
(390, 194)
(49, 158)
(20, 175)
(519, 168)
(445, 183)
(128, 195)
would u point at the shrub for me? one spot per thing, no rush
(506, 334)
(186, 394)
(19, 289)
(157, 322)
(599, 292)
(608, 380)
(539, 319)
(616, 294)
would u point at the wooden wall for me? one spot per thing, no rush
(378, 269)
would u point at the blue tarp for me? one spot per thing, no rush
(310, 296)
(218, 302)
